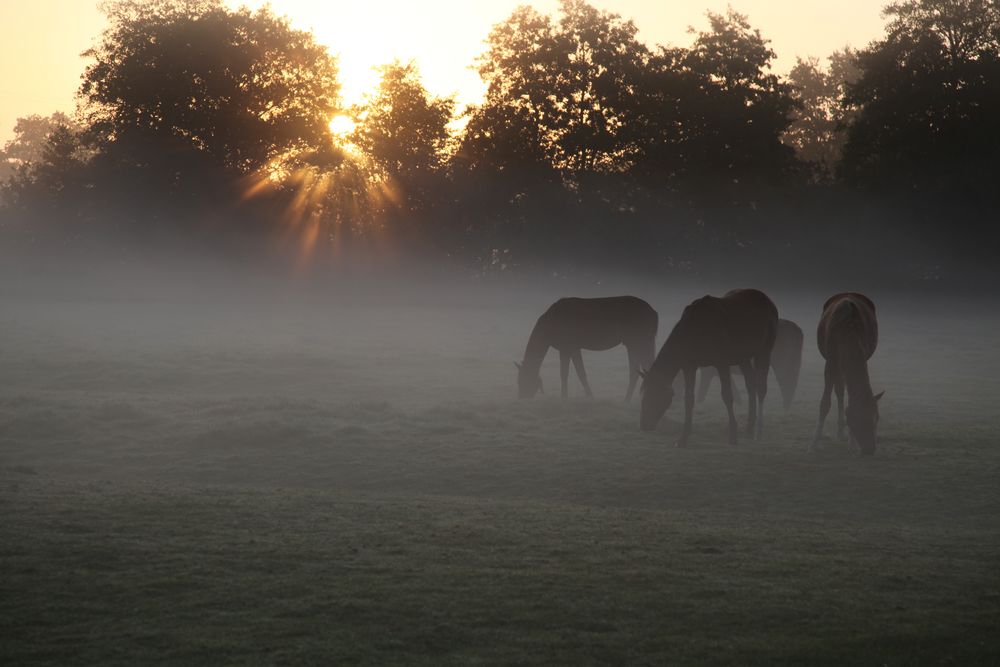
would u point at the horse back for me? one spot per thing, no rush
(599, 323)
(728, 330)
(848, 319)
(751, 310)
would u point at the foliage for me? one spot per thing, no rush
(817, 129)
(572, 79)
(926, 105)
(240, 87)
(30, 136)
(404, 131)
(588, 144)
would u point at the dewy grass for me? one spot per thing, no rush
(229, 487)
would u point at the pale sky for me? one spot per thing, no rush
(41, 40)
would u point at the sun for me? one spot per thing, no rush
(341, 126)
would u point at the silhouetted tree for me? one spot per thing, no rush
(242, 88)
(817, 132)
(747, 108)
(404, 131)
(712, 116)
(573, 79)
(926, 105)
(48, 161)
(31, 134)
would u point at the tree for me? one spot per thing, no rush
(817, 131)
(31, 134)
(712, 115)
(926, 105)
(962, 30)
(240, 88)
(748, 106)
(404, 131)
(572, 79)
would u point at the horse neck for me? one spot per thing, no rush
(669, 361)
(854, 366)
(538, 345)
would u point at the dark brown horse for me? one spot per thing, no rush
(847, 336)
(786, 361)
(737, 330)
(572, 325)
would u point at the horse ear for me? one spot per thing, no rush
(879, 396)
(517, 365)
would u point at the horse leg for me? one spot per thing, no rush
(838, 389)
(705, 381)
(762, 365)
(581, 373)
(725, 378)
(748, 379)
(824, 403)
(633, 372)
(564, 372)
(689, 380)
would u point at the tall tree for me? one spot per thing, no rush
(817, 132)
(49, 175)
(926, 104)
(241, 88)
(713, 115)
(750, 106)
(404, 131)
(573, 79)
(31, 134)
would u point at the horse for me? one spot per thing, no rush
(786, 361)
(572, 324)
(847, 336)
(736, 330)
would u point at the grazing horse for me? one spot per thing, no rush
(786, 361)
(847, 336)
(736, 330)
(572, 324)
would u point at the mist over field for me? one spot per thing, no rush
(262, 346)
(306, 466)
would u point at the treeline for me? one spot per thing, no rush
(200, 124)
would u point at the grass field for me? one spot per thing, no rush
(197, 480)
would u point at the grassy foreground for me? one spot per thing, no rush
(280, 499)
(106, 575)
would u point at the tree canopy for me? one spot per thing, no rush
(242, 88)
(586, 140)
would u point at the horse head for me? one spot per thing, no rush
(528, 383)
(862, 420)
(657, 393)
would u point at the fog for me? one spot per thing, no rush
(227, 449)
(169, 359)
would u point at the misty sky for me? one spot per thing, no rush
(41, 40)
